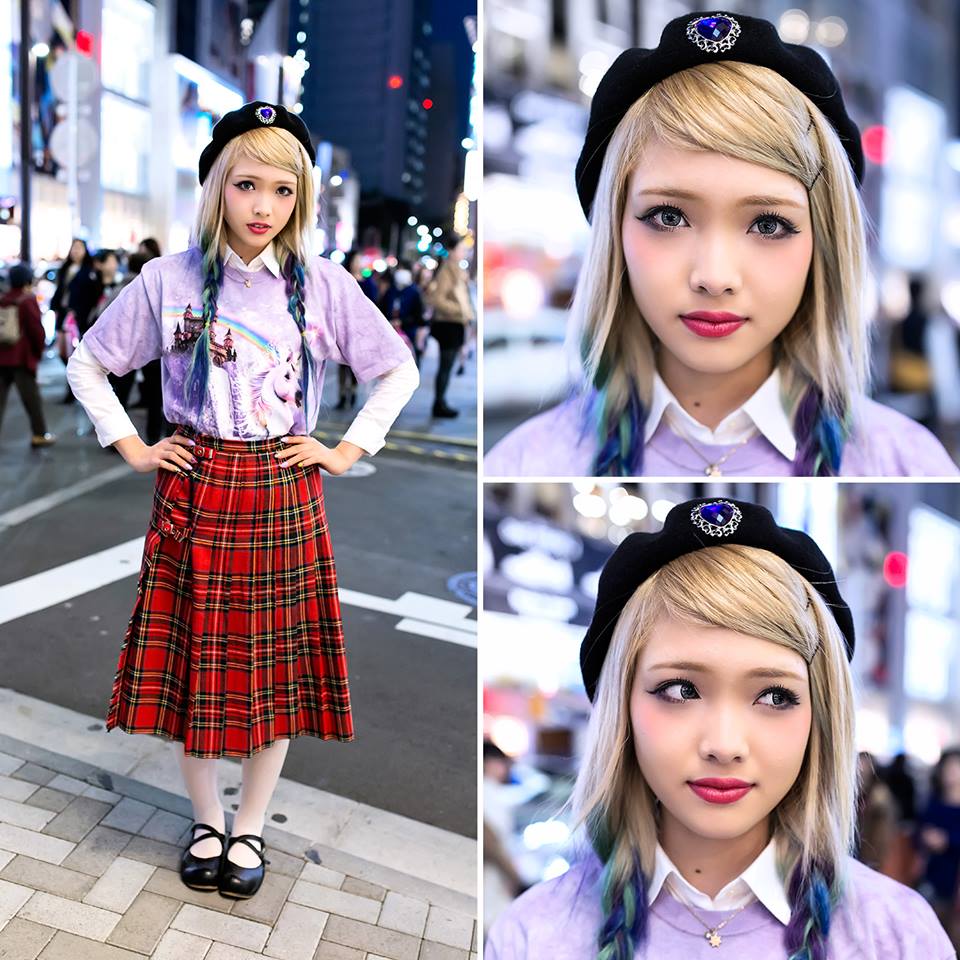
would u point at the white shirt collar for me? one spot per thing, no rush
(266, 258)
(763, 412)
(761, 880)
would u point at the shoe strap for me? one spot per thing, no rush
(246, 838)
(210, 832)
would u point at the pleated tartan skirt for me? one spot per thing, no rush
(235, 640)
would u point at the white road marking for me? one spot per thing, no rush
(34, 508)
(419, 613)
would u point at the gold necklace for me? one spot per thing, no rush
(712, 936)
(712, 469)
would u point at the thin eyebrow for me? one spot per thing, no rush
(250, 176)
(763, 673)
(754, 201)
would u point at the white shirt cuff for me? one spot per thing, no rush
(389, 396)
(88, 380)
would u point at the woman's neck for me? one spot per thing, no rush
(244, 251)
(709, 397)
(707, 863)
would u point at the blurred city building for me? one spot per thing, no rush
(897, 64)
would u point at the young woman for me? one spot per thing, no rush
(718, 786)
(78, 259)
(235, 643)
(719, 309)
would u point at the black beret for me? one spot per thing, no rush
(691, 526)
(252, 116)
(702, 38)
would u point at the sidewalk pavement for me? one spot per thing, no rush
(89, 863)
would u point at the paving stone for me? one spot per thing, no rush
(24, 815)
(363, 889)
(100, 847)
(221, 927)
(404, 914)
(144, 923)
(335, 901)
(446, 926)
(12, 897)
(165, 826)
(153, 851)
(68, 784)
(431, 950)
(335, 951)
(267, 904)
(71, 916)
(168, 884)
(176, 945)
(314, 873)
(8, 764)
(107, 796)
(34, 773)
(13, 789)
(365, 936)
(296, 934)
(67, 946)
(476, 927)
(220, 951)
(120, 884)
(129, 815)
(283, 863)
(33, 844)
(5, 857)
(77, 819)
(47, 877)
(48, 799)
(23, 940)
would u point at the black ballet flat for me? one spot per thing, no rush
(202, 873)
(241, 883)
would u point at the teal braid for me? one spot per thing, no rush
(296, 304)
(195, 383)
(624, 902)
(812, 899)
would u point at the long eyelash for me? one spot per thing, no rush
(650, 214)
(242, 182)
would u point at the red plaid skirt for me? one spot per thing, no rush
(235, 640)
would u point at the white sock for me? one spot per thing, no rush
(200, 777)
(260, 775)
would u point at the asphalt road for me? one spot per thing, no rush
(409, 525)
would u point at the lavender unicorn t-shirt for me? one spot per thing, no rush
(253, 389)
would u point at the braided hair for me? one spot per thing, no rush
(195, 383)
(813, 895)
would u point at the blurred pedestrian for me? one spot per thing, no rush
(235, 646)
(90, 288)
(346, 380)
(938, 835)
(876, 815)
(501, 879)
(22, 340)
(900, 781)
(449, 298)
(149, 248)
(406, 310)
(77, 259)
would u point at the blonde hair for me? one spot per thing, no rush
(276, 148)
(755, 592)
(753, 114)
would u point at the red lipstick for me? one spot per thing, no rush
(706, 323)
(258, 227)
(720, 789)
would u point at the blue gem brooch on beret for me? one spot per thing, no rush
(718, 518)
(266, 114)
(715, 34)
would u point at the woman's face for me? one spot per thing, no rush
(708, 702)
(77, 251)
(950, 774)
(729, 240)
(255, 193)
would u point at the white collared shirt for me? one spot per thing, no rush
(267, 257)
(760, 880)
(762, 412)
